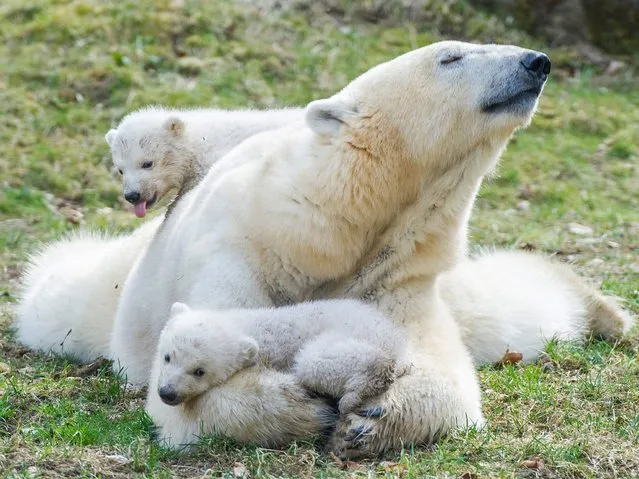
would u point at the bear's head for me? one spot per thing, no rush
(197, 352)
(435, 105)
(403, 149)
(150, 153)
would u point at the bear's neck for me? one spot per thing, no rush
(426, 235)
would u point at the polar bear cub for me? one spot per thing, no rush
(157, 149)
(344, 349)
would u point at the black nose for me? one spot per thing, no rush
(168, 394)
(132, 197)
(537, 63)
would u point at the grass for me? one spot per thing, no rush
(73, 68)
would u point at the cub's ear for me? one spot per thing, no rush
(326, 117)
(110, 136)
(248, 352)
(175, 126)
(179, 308)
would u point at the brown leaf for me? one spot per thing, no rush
(525, 192)
(72, 215)
(344, 464)
(534, 463)
(511, 357)
(467, 475)
(93, 367)
(338, 462)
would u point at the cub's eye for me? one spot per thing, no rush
(199, 372)
(147, 164)
(120, 171)
(450, 59)
(167, 358)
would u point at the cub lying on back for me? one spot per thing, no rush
(157, 149)
(345, 349)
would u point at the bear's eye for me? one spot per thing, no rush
(199, 372)
(120, 171)
(147, 164)
(167, 358)
(447, 60)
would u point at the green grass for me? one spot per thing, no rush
(72, 69)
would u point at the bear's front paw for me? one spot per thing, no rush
(355, 434)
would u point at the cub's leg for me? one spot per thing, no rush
(346, 369)
(440, 392)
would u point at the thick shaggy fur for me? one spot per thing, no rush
(72, 288)
(517, 301)
(342, 349)
(158, 149)
(369, 199)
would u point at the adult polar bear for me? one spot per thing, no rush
(370, 198)
(413, 113)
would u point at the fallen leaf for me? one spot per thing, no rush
(344, 464)
(338, 462)
(534, 463)
(72, 215)
(525, 192)
(467, 475)
(92, 367)
(511, 357)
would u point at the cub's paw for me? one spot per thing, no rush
(357, 434)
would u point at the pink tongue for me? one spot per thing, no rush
(140, 209)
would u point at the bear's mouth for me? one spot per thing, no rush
(522, 100)
(152, 201)
(140, 207)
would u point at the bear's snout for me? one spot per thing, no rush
(169, 395)
(537, 63)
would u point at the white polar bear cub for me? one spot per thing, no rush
(344, 349)
(158, 149)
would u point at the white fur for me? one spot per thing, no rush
(374, 204)
(343, 349)
(518, 301)
(182, 144)
(71, 291)
(370, 200)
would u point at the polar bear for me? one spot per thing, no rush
(157, 149)
(369, 199)
(71, 290)
(344, 349)
(517, 301)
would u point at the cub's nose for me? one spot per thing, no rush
(168, 395)
(132, 196)
(537, 64)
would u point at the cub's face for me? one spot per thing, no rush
(149, 159)
(197, 351)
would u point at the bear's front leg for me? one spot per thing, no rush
(257, 406)
(439, 392)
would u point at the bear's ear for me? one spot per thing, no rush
(110, 136)
(179, 308)
(175, 126)
(248, 352)
(326, 117)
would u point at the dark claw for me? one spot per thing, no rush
(376, 411)
(357, 432)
